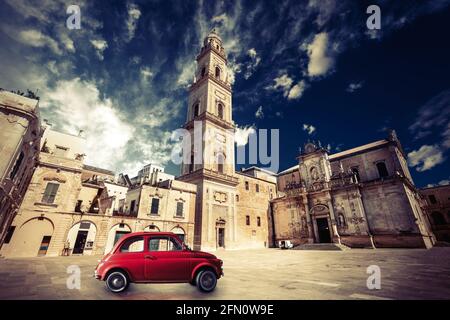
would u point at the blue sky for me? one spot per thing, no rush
(309, 68)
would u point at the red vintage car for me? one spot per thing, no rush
(157, 257)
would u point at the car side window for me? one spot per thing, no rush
(163, 244)
(135, 244)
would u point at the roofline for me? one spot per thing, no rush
(259, 169)
(435, 187)
(336, 156)
(253, 177)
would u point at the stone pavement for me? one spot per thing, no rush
(253, 274)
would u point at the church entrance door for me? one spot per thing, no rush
(221, 237)
(323, 230)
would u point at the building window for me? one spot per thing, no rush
(438, 218)
(246, 185)
(155, 206)
(220, 163)
(247, 220)
(382, 170)
(9, 234)
(220, 110)
(355, 171)
(257, 187)
(432, 199)
(50, 192)
(237, 198)
(258, 221)
(203, 72)
(179, 212)
(196, 110)
(217, 72)
(132, 206)
(17, 166)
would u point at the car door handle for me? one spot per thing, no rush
(150, 257)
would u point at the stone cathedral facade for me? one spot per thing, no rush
(362, 197)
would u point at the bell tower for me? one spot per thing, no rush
(209, 106)
(211, 167)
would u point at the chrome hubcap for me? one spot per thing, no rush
(207, 280)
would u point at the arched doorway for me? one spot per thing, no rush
(33, 238)
(220, 233)
(322, 226)
(81, 237)
(179, 232)
(115, 233)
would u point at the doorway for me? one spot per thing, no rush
(221, 237)
(323, 230)
(80, 242)
(44, 245)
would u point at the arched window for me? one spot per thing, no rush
(203, 72)
(196, 110)
(341, 220)
(382, 170)
(220, 161)
(438, 218)
(217, 72)
(220, 110)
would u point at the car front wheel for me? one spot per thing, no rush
(117, 281)
(206, 280)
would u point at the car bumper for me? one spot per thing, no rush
(96, 275)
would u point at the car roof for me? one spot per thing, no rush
(146, 233)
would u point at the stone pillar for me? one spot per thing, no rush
(363, 212)
(308, 221)
(336, 237)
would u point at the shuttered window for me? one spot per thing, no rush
(179, 212)
(50, 192)
(155, 206)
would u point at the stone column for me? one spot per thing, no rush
(336, 237)
(308, 221)
(363, 212)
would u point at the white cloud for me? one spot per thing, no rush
(309, 128)
(241, 135)
(285, 83)
(222, 18)
(146, 73)
(320, 62)
(251, 67)
(425, 158)
(35, 38)
(76, 105)
(259, 113)
(100, 46)
(353, 86)
(297, 90)
(131, 24)
(67, 42)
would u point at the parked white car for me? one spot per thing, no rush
(285, 244)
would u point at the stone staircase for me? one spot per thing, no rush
(322, 246)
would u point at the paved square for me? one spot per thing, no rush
(253, 274)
